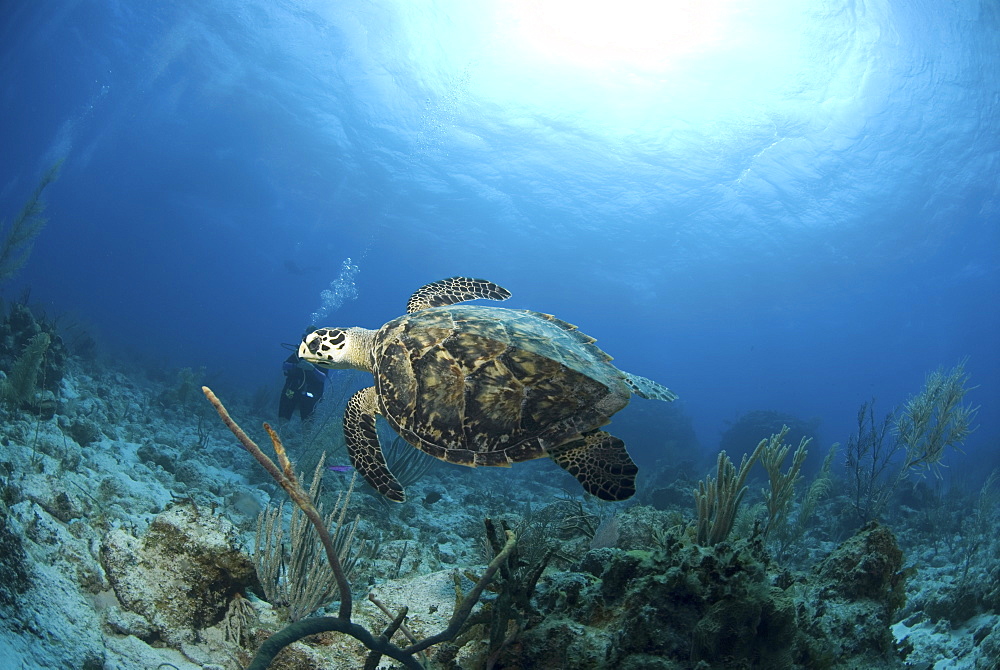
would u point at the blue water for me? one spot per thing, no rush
(791, 207)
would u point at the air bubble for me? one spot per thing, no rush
(340, 291)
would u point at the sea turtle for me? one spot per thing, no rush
(483, 385)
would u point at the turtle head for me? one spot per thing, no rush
(336, 348)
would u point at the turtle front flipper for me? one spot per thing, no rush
(648, 389)
(363, 446)
(454, 290)
(600, 462)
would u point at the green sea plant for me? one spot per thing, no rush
(978, 528)
(935, 419)
(790, 527)
(929, 423)
(19, 326)
(718, 499)
(294, 575)
(18, 389)
(782, 484)
(819, 489)
(869, 455)
(510, 613)
(19, 237)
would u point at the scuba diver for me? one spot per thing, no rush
(304, 385)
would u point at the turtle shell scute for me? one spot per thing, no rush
(481, 385)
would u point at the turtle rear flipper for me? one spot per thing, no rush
(363, 446)
(600, 462)
(648, 389)
(454, 290)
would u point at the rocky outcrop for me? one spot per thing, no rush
(181, 575)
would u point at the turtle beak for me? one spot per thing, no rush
(309, 349)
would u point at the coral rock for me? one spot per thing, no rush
(181, 575)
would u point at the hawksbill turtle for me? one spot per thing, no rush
(484, 385)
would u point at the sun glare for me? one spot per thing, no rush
(639, 34)
(630, 68)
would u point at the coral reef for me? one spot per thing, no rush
(685, 606)
(126, 530)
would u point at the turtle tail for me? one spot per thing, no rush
(648, 389)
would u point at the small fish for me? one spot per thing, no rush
(339, 468)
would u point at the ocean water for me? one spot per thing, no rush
(788, 207)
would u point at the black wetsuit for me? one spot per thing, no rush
(304, 385)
